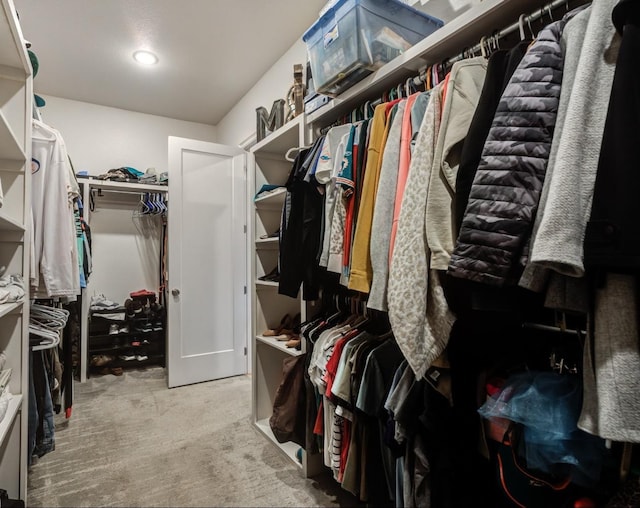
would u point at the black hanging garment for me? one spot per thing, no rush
(300, 234)
(613, 231)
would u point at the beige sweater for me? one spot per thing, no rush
(463, 91)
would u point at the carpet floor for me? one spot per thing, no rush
(133, 442)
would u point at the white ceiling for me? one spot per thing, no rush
(211, 51)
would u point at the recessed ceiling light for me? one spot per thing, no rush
(145, 57)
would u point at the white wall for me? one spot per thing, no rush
(240, 122)
(99, 138)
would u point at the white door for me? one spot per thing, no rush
(207, 301)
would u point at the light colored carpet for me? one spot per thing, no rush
(133, 442)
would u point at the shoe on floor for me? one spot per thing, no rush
(101, 360)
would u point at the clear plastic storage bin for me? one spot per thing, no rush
(355, 37)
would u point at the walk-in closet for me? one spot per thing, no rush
(323, 253)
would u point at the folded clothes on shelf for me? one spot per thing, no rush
(11, 289)
(267, 189)
(124, 174)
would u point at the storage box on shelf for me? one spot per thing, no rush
(16, 99)
(356, 37)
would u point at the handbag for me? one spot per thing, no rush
(288, 420)
(525, 488)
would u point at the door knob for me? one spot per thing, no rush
(175, 292)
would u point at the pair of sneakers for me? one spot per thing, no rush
(114, 329)
(101, 302)
(133, 308)
(129, 358)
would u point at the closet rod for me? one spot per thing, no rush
(518, 25)
(548, 328)
(137, 192)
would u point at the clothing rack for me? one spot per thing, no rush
(486, 45)
(519, 26)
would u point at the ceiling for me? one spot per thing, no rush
(211, 52)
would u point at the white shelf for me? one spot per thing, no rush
(122, 186)
(13, 157)
(289, 449)
(263, 241)
(12, 51)
(267, 283)
(272, 200)
(268, 243)
(7, 308)
(281, 140)
(279, 345)
(9, 224)
(14, 406)
(462, 32)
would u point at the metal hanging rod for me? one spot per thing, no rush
(517, 26)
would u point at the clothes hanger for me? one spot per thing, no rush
(407, 87)
(495, 39)
(55, 340)
(530, 29)
(521, 27)
(289, 155)
(483, 48)
(550, 13)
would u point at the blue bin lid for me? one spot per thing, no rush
(349, 4)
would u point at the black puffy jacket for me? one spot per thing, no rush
(506, 188)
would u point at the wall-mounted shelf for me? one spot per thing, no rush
(268, 244)
(10, 415)
(12, 153)
(109, 185)
(279, 345)
(281, 140)
(10, 224)
(461, 32)
(289, 449)
(273, 200)
(8, 308)
(267, 283)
